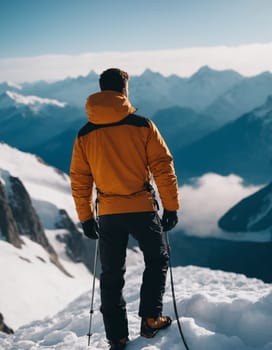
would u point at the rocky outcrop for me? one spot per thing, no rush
(3, 327)
(18, 217)
(27, 220)
(78, 247)
(8, 228)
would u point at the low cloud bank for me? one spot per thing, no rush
(250, 59)
(207, 199)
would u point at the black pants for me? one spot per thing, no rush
(114, 232)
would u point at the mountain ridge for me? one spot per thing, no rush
(242, 147)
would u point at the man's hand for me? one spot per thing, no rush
(90, 229)
(169, 220)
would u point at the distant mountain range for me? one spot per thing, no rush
(36, 203)
(182, 126)
(31, 124)
(43, 118)
(243, 147)
(242, 97)
(224, 95)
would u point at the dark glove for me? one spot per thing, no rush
(169, 220)
(90, 229)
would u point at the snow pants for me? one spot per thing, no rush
(114, 229)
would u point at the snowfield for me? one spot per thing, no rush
(31, 286)
(220, 311)
(48, 187)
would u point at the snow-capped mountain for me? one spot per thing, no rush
(149, 92)
(247, 94)
(40, 118)
(50, 193)
(10, 99)
(29, 122)
(5, 86)
(252, 214)
(71, 90)
(18, 215)
(242, 147)
(39, 239)
(205, 85)
(43, 183)
(224, 95)
(19, 219)
(217, 310)
(47, 125)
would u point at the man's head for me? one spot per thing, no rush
(114, 79)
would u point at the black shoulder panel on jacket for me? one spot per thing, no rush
(131, 119)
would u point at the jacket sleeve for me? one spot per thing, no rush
(81, 182)
(161, 165)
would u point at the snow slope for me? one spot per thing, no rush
(31, 286)
(220, 311)
(47, 186)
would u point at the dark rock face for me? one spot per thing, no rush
(19, 213)
(8, 228)
(3, 327)
(19, 218)
(78, 247)
(27, 220)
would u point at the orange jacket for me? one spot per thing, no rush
(118, 151)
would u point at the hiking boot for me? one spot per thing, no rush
(119, 345)
(151, 326)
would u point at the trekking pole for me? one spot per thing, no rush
(93, 289)
(173, 293)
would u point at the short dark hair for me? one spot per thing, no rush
(113, 79)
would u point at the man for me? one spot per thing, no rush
(119, 151)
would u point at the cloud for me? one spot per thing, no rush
(207, 199)
(248, 59)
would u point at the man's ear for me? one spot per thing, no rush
(125, 90)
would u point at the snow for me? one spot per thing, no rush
(33, 100)
(14, 85)
(5, 180)
(32, 287)
(218, 310)
(46, 185)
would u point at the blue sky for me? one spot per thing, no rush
(36, 27)
(51, 39)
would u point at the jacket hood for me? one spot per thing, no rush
(108, 107)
